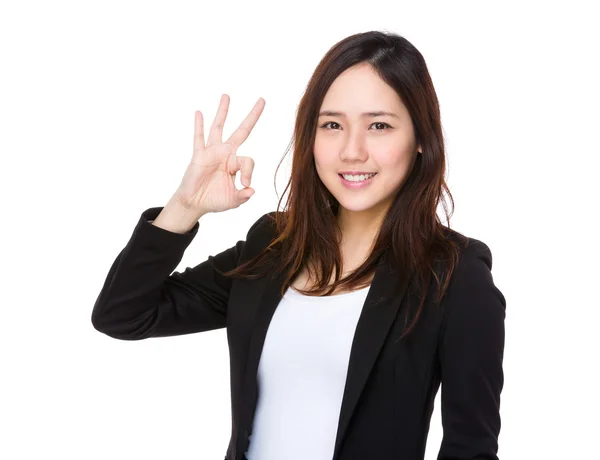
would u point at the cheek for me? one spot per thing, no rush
(324, 156)
(320, 147)
(395, 168)
(392, 160)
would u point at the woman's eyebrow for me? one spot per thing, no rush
(379, 113)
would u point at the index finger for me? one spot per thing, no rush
(242, 133)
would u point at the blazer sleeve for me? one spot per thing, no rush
(141, 298)
(471, 355)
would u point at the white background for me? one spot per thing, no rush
(97, 101)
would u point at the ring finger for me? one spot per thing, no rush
(216, 129)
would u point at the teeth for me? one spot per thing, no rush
(357, 178)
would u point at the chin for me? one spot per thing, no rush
(356, 205)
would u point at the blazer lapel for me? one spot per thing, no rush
(380, 309)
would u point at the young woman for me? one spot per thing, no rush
(345, 311)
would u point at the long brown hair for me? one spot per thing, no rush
(306, 231)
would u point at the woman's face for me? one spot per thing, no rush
(351, 139)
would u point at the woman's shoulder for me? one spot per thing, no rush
(470, 248)
(265, 223)
(262, 232)
(472, 298)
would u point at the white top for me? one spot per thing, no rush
(302, 374)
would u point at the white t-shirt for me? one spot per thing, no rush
(302, 375)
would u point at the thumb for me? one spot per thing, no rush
(244, 194)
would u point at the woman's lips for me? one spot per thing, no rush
(356, 184)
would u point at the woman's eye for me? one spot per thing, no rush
(385, 125)
(382, 126)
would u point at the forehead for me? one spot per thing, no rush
(358, 89)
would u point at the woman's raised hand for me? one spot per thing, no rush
(208, 184)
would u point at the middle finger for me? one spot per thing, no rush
(242, 133)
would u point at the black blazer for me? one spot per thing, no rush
(391, 384)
